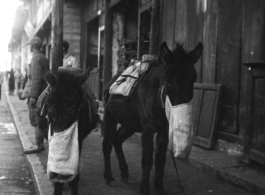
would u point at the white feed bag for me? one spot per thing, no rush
(181, 131)
(63, 157)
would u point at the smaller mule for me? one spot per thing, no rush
(66, 102)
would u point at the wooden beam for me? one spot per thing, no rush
(154, 35)
(107, 73)
(57, 34)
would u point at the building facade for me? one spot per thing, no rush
(106, 34)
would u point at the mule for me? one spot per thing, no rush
(66, 102)
(173, 74)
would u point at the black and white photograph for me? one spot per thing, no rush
(132, 97)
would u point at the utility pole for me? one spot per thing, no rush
(155, 21)
(57, 35)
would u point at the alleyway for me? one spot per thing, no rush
(15, 177)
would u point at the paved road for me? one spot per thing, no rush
(193, 181)
(15, 178)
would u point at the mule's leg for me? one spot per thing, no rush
(74, 185)
(121, 135)
(58, 188)
(147, 159)
(109, 131)
(160, 160)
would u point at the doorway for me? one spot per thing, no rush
(94, 58)
(144, 31)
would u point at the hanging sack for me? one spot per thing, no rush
(63, 157)
(181, 130)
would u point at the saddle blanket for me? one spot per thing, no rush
(126, 82)
(63, 157)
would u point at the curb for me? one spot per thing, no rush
(251, 184)
(41, 182)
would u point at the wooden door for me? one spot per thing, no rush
(253, 79)
(255, 131)
(100, 61)
(95, 80)
(92, 55)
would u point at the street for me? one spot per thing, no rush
(15, 177)
(193, 181)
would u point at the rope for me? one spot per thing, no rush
(175, 165)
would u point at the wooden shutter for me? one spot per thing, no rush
(205, 105)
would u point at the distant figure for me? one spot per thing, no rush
(1, 82)
(26, 77)
(18, 79)
(69, 61)
(11, 82)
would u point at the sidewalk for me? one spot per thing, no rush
(215, 163)
(26, 133)
(15, 177)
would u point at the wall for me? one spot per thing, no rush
(232, 32)
(72, 27)
(124, 34)
(24, 53)
(90, 11)
(117, 36)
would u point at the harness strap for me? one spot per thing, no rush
(124, 79)
(162, 94)
(129, 76)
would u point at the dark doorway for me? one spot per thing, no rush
(144, 32)
(94, 59)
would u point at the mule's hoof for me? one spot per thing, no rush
(112, 184)
(125, 180)
(162, 192)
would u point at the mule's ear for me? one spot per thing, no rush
(195, 54)
(165, 52)
(50, 78)
(83, 77)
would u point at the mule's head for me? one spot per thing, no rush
(180, 74)
(65, 98)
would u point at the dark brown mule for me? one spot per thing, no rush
(143, 112)
(66, 102)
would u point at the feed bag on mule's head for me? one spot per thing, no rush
(181, 129)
